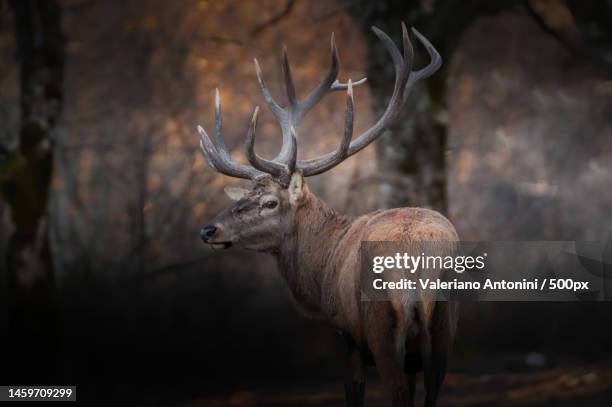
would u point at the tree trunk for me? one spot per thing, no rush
(26, 179)
(412, 153)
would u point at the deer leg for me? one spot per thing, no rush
(435, 355)
(434, 370)
(411, 384)
(429, 375)
(438, 340)
(390, 369)
(354, 384)
(438, 358)
(386, 338)
(438, 365)
(354, 381)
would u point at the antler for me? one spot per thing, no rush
(285, 163)
(405, 78)
(221, 160)
(291, 115)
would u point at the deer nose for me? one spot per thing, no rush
(207, 232)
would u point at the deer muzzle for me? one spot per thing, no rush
(208, 234)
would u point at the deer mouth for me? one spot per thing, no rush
(220, 245)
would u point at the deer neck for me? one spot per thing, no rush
(306, 255)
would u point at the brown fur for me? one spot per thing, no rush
(318, 255)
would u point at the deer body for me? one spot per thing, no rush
(320, 258)
(318, 250)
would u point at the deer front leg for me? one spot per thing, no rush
(354, 381)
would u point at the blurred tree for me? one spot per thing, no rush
(26, 172)
(415, 147)
(412, 155)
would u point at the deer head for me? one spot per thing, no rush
(265, 214)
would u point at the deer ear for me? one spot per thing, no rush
(236, 193)
(296, 189)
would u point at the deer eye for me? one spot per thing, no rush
(271, 204)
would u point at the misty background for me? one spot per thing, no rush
(103, 188)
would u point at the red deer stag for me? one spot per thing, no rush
(318, 249)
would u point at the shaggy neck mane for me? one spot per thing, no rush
(307, 252)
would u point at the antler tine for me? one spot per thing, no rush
(256, 161)
(324, 87)
(341, 153)
(329, 82)
(337, 85)
(223, 164)
(404, 79)
(348, 124)
(219, 158)
(208, 149)
(408, 52)
(278, 111)
(291, 115)
(289, 86)
(292, 160)
(222, 148)
(436, 59)
(398, 61)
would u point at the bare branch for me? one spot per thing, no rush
(275, 19)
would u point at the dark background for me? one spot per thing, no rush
(104, 281)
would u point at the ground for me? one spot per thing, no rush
(559, 387)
